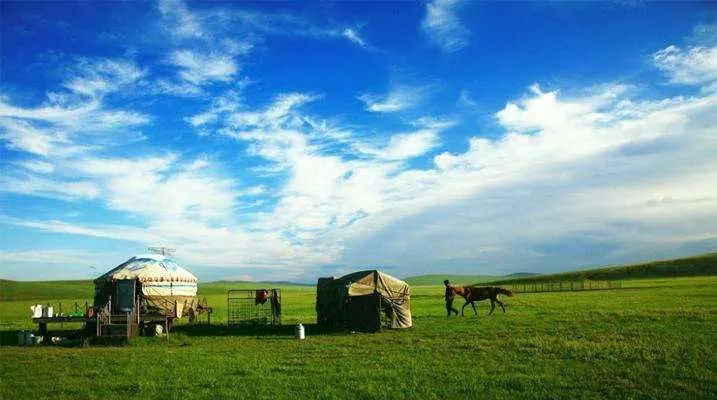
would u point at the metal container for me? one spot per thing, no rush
(29, 338)
(299, 332)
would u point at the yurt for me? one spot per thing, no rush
(153, 282)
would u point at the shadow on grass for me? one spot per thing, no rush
(70, 337)
(81, 337)
(251, 330)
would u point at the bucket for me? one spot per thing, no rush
(29, 338)
(21, 338)
(299, 332)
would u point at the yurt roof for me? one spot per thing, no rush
(149, 268)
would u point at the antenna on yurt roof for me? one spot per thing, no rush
(165, 251)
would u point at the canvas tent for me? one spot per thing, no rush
(154, 281)
(362, 301)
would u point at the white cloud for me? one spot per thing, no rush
(603, 169)
(694, 65)
(197, 68)
(118, 232)
(47, 256)
(227, 102)
(410, 145)
(399, 98)
(69, 123)
(37, 166)
(404, 145)
(552, 148)
(287, 24)
(23, 136)
(353, 36)
(256, 190)
(442, 26)
(465, 99)
(181, 22)
(98, 77)
(90, 115)
(158, 189)
(199, 163)
(209, 43)
(65, 189)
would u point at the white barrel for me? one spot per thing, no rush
(36, 310)
(299, 331)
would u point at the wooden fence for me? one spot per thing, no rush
(563, 286)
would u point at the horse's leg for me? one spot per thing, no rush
(500, 303)
(492, 307)
(473, 304)
(463, 308)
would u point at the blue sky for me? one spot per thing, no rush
(288, 141)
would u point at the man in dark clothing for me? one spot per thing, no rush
(449, 298)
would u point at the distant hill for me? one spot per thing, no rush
(437, 279)
(518, 275)
(705, 264)
(221, 287)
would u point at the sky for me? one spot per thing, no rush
(289, 141)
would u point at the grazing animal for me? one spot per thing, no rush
(472, 294)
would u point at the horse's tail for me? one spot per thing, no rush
(504, 291)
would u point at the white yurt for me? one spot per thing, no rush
(153, 281)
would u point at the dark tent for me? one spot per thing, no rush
(363, 301)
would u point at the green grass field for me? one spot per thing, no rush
(651, 339)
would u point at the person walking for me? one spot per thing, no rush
(449, 298)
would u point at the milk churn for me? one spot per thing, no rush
(299, 331)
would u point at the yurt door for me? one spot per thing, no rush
(124, 295)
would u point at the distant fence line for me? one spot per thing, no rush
(563, 286)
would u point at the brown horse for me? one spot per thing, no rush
(472, 294)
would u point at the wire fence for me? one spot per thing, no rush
(563, 286)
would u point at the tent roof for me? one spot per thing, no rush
(366, 282)
(149, 268)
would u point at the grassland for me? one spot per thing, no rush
(14, 290)
(653, 339)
